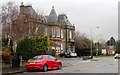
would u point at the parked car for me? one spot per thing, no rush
(69, 55)
(73, 55)
(63, 54)
(117, 56)
(43, 62)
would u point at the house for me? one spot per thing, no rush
(60, 31)
(58, 28)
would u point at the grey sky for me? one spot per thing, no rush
(84, 14)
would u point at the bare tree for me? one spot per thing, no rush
(81, 40)
(19, 25)
(9, 13)
(77, 33)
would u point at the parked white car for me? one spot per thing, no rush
(117, 56)
(73, 54)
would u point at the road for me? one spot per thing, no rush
(76, 65)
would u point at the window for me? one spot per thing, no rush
(70, 35)
(53, 47)
(57, 32)
(61, 46)
(51, 58)
(61, 33)
(47, 57)
(37, 58)
(57, 49)
(53, 32)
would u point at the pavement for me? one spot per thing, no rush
(10, 71)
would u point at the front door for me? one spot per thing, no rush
(70, 49)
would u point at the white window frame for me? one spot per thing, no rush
(57, 32)
(70, 32)
(61, 46)
(62, 34)
(53, 32)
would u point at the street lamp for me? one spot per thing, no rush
(97, 42)
(92, 41)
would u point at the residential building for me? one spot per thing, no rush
(58, 28)
(61, 32)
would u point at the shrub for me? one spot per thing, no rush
(6, 57)
(30, 47)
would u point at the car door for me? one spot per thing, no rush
(49, 62)
(53, 61)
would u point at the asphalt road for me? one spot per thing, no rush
(76, 65)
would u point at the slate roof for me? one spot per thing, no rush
(29, 9)
(64, 20)
(52, 16)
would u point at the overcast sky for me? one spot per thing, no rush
(84, 14)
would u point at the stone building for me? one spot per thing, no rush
(57, 27)
(60, 31)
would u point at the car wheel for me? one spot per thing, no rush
(59, 66)
(45, 68)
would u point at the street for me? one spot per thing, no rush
(77, 65)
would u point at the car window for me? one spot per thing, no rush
(37, 58)
(47, 57)
(51, 58)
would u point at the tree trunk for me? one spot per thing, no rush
(14, 46)
(21, 63)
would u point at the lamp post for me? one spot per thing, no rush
(91, 43)
(97, 43)
(91, 51)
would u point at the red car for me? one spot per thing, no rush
(43, 62)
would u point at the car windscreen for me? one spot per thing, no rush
(37, 58)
